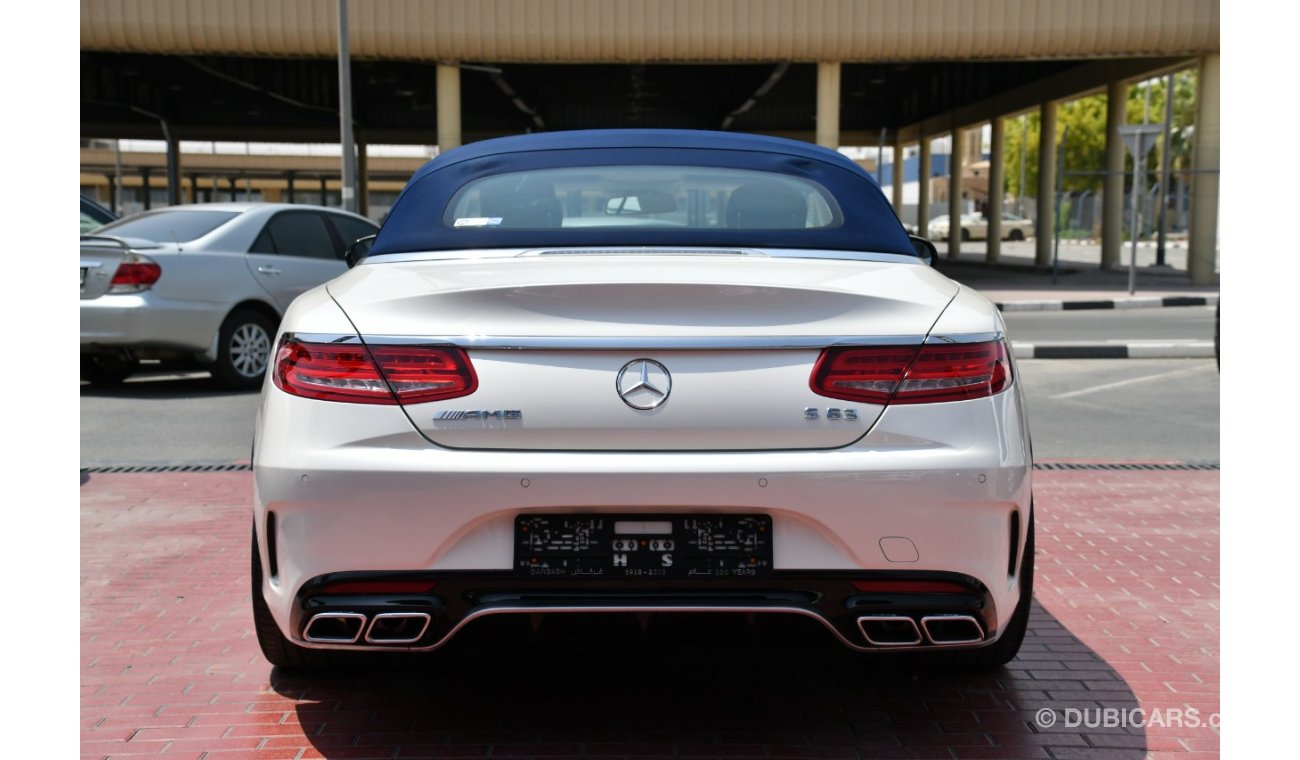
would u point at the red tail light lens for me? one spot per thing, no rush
(377, 587)
(373, 374)
(911, 587)
(913, 374)
(135, 275)
(862, 374)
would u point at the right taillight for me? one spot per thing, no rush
(376, 374)
(913, 374)
(134, 275)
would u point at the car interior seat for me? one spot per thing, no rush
(766, 205)
(529, 205)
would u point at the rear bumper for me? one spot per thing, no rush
(147, 320)
(931, 489)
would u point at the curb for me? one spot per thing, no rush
(1135, 302)
(1172, 245)
(1173, 349)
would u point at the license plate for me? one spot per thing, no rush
(643, 546)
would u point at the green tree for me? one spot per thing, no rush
(1085, 149)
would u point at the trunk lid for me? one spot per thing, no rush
(643, 352)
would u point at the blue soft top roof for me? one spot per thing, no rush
(415, 222)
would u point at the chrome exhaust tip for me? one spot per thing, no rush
(397, 627)
(889, 630)
(952, 629)
(335, 628)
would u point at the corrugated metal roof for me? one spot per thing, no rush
(619, 31)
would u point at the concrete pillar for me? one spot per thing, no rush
(923, 189)
(448, 107)
(1112, 196)
(897, 172)
(324, 191)
(997, 175)
(288, 185)
(234, 189)
(828, 104)
(144, 187)
(1204, 231)
(954, 193)
(1046, 227)
(193, 189)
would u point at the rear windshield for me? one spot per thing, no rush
(684, 197)
(168, 226)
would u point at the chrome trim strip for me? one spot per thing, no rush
(775, 253)
(622, 343)
(965, 338)
(91, 264)
(641, 250)
(890, 619)
(649, 343)
(925, 623)
(322, 337)
(597, 609)
(406, 615)
(334, 616)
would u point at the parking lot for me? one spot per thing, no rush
(1121, 660)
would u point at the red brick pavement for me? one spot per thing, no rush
(1127, 616)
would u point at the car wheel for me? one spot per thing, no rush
(1017, 235)
(243, 350)
(965, 235)
(108, 369)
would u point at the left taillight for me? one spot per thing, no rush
(372, 374)
(135, 274)
(913, 374)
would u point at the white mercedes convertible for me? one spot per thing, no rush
(642, 372)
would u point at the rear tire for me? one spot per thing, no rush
(1013, 633)
(243, 350)
(277, 649)
(1016, 235)
(108, 369)
(965, 235)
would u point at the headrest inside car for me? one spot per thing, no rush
(766, 205)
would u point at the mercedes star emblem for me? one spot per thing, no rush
(644, 384)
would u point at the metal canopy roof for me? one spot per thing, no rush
(645, 31)
(238, 70)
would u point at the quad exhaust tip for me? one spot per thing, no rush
(952, 629)
(397, 627)
(889, 630)
(335, 628)
(902, 630)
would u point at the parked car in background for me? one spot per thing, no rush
(976, 227)
(93, 215)
(640, 372)
(207, 282)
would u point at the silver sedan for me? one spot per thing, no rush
(206, 282)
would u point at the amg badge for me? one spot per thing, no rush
(480, 414)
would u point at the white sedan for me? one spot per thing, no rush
(976, 227)
(639, 372)
(205, 283)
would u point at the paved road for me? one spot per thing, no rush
(1134, 409)
(1104, 325)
